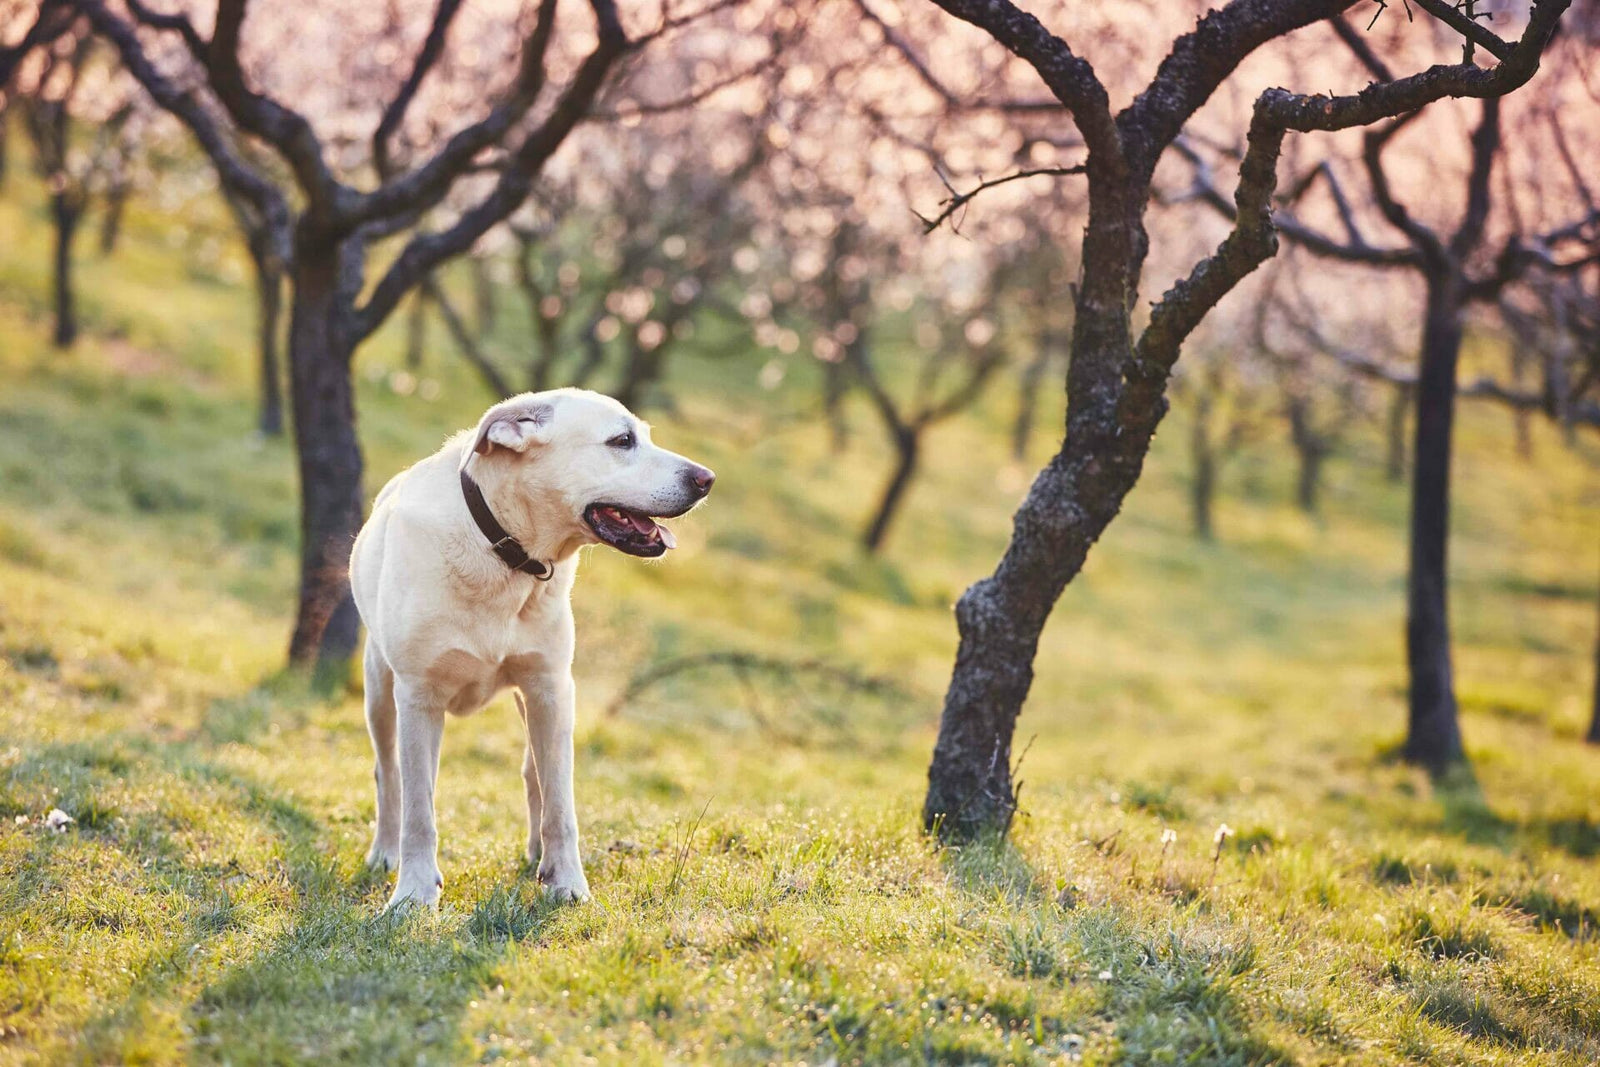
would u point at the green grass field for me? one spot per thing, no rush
(762, 892)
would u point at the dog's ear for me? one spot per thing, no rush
(517, 424)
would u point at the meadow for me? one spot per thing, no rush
(762, 891)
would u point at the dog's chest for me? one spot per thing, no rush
(464, 681)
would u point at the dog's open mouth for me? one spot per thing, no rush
(629, 531)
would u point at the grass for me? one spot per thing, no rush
(761, 891)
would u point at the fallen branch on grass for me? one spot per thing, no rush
(741, 664)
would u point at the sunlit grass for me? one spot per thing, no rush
(209, 902)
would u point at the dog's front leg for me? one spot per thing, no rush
(381, 725)
(530, 780)
(421, 723)
(550, 699)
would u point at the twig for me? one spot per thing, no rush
(683, 852)
(956, 201)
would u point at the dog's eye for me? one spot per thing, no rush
(622, 440)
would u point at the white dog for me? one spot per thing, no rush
(463, 576)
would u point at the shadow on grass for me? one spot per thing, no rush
(348, 984)
(1466, 812)
(1171, 986)
(282, 957)
(242, 718)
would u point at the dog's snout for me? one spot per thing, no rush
(699, 479)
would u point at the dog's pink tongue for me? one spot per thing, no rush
(667, 538)
(640, 523)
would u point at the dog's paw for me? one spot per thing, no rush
(564, 886)
(422, 889)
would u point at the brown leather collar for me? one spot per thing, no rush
(508, 548)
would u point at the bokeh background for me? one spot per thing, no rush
(760, 237)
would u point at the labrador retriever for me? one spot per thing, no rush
(463, 576)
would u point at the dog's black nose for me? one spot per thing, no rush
(699, 479)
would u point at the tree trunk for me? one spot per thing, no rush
(1522, 423)
(1310, 450)
(416, 330)
(1203, 480)
(546, 349)
(1308, 484)
(320, 350)
(1394, 462)
(67, 213)
(645, 367)
(269, 310)
(111, 221)
(1433, 737)
(634, 376)
(1028, 395)
(594, 353)
(908, 445)
(835, 385)
(484, 294)
(1111, 416)
(469, 345)
(1594, 717)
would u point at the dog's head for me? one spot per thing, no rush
(584, 461)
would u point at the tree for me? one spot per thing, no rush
(268, 240)
(1045, 327)
(1321, 398)
(631, 235)
(69, 94)
(1117, 379)
(1224, 417)
(333, 221)
(50, 19)
(1461, 264)
(972, 354)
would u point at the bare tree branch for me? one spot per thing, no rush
(1278, 111)
(1203, 58)
(1357, 43)
(424, 252)
(427, 57)
(471, 347)
(1485, 146)
(1483, 388)
(285, 129)
(54, 18)
(695, 96)
(1475, 32)
(1067, 75)
(1373, 144)
(234, 172)
(426, 185)
(956, 201)
(176, 22)
(925, 73)
(1354, 250)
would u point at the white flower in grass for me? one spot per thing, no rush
(1169, 837)
(58, 820)
(1224, 831)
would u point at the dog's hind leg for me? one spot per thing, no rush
(385, 851)
(530, 780)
